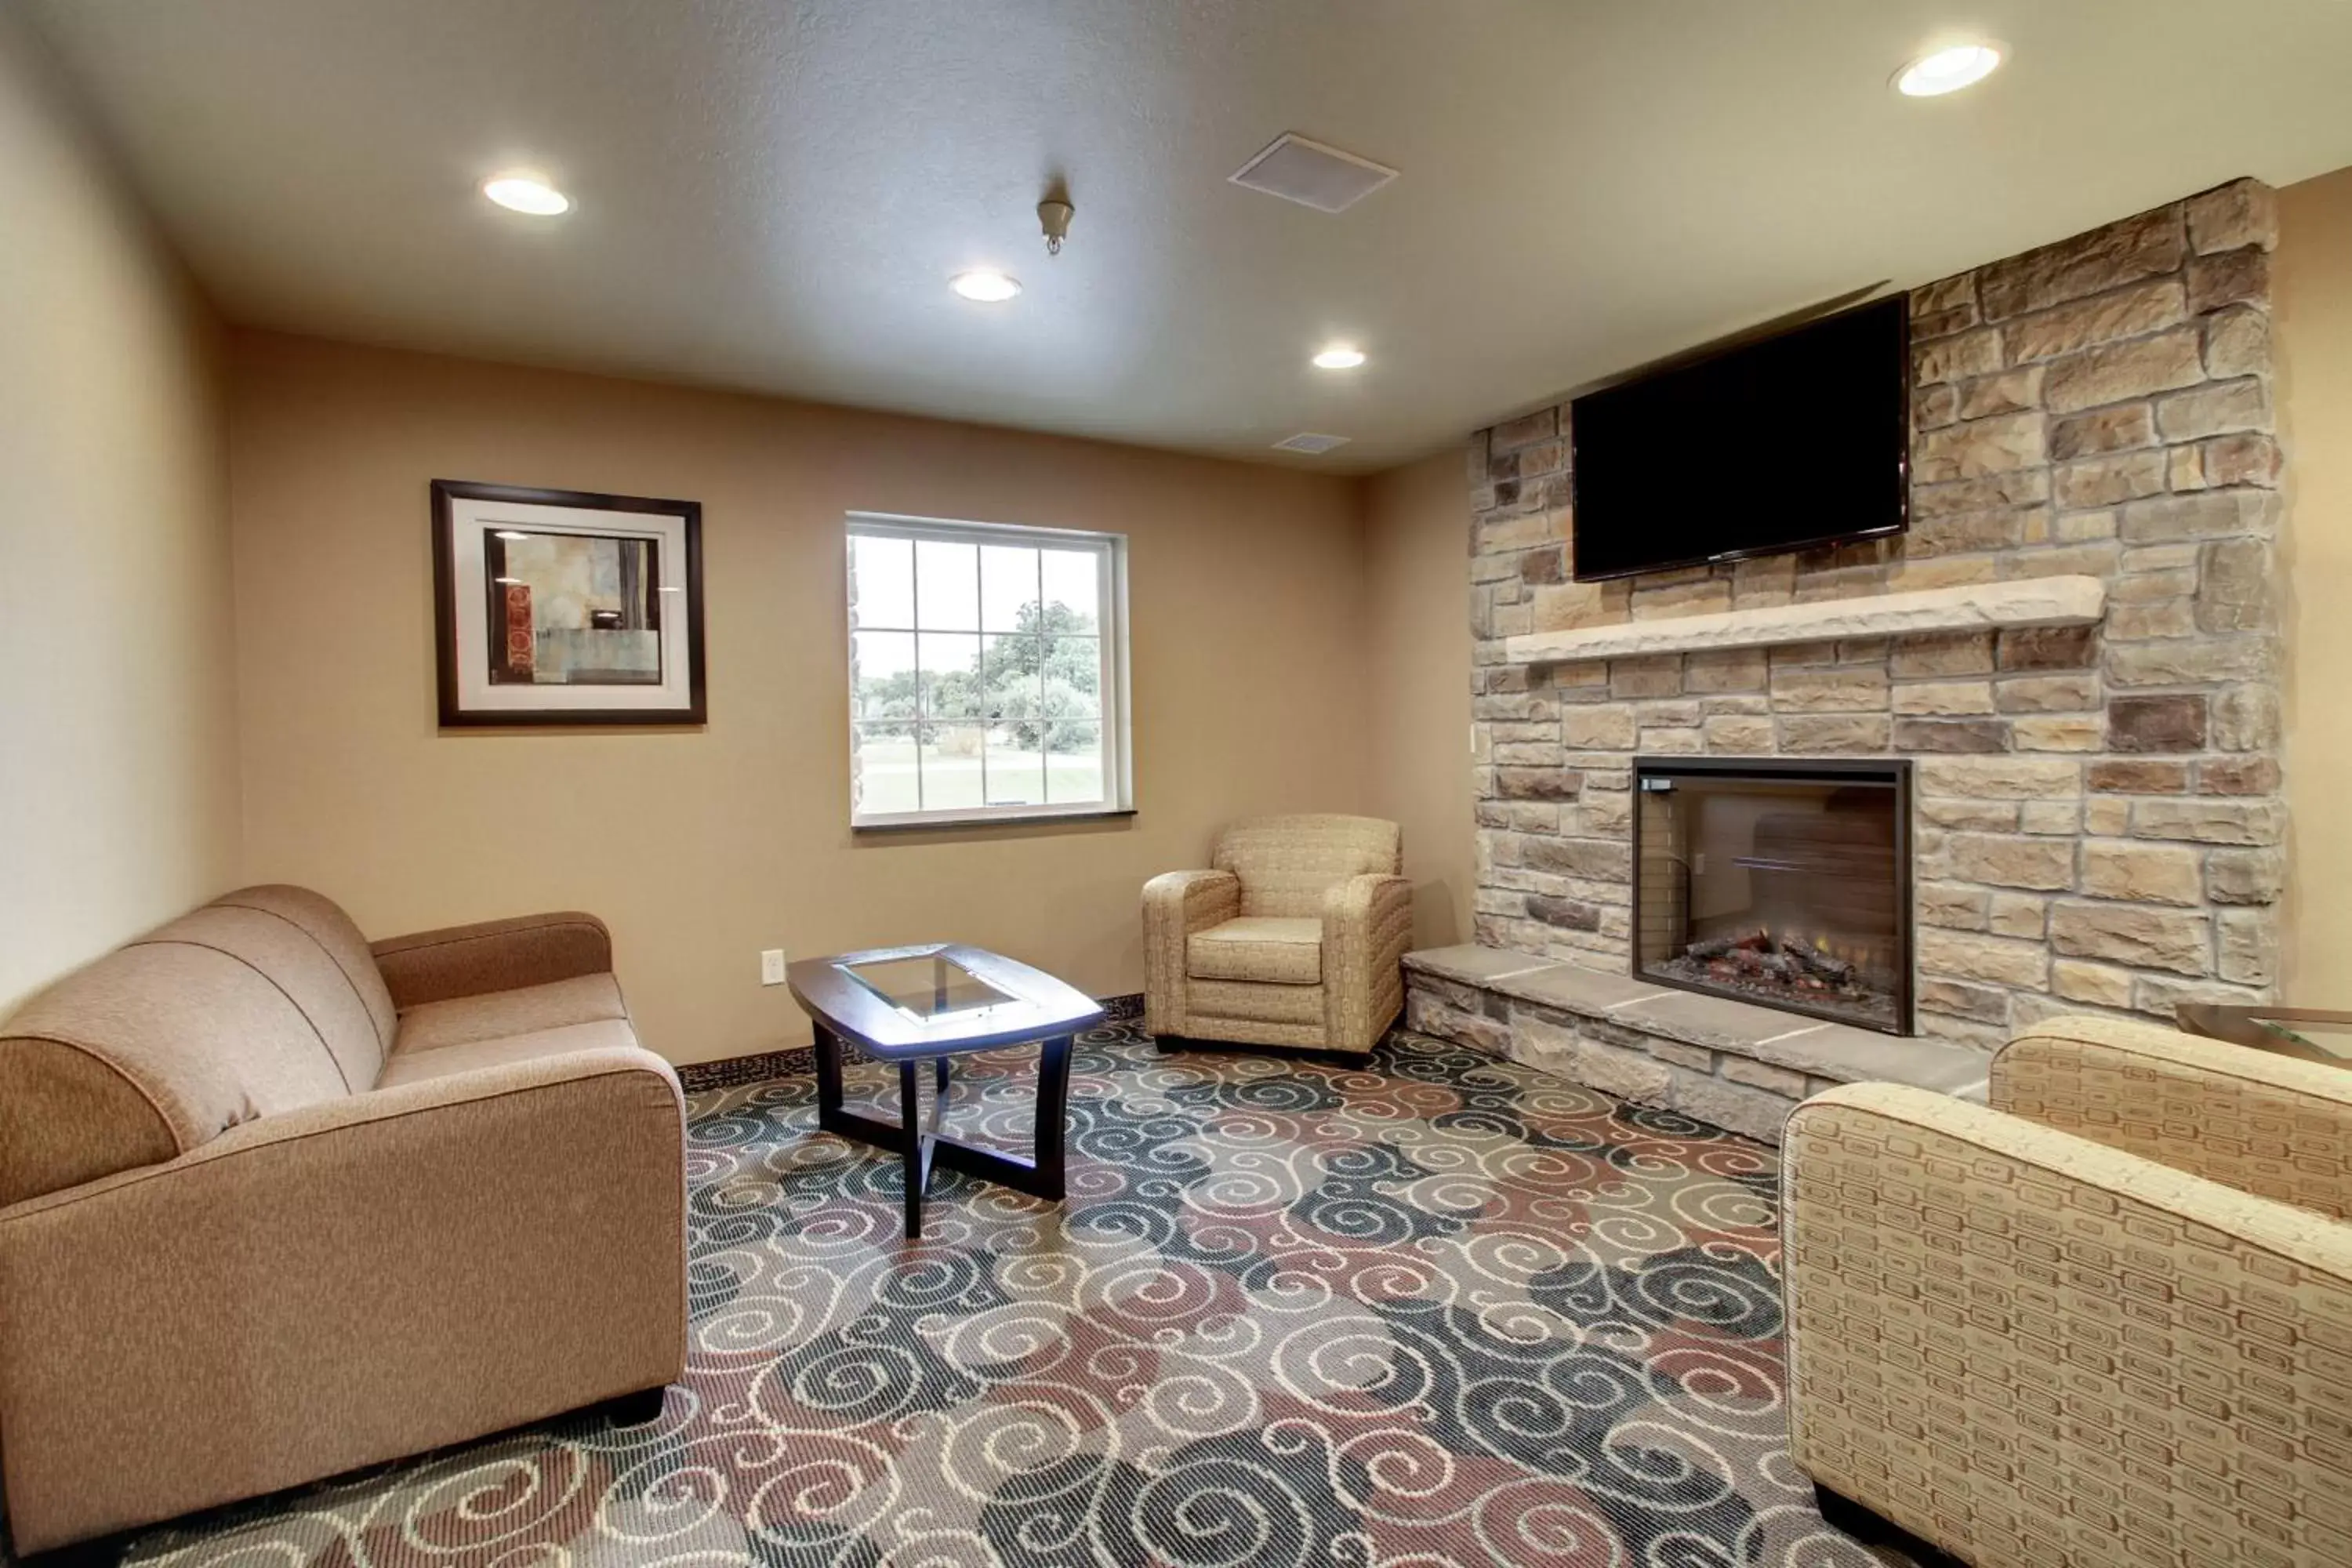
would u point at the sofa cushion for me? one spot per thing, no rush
(411, 1066)
(198, 1039)
(496, 1014)
(291, 959)
(1281, 952)
(322, 920)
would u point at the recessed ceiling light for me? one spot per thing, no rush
(986, 285)
(518, 192)
(1947, 71)
(510, 533)
(1339, 356)
(509, 580)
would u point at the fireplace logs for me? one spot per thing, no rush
(1760, 952)
(1772, 968)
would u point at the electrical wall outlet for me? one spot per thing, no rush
(771, 966)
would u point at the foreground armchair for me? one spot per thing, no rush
(2106, 1321)
(1293, 938)
(274, 1205)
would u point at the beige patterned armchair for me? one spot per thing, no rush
(1295, 939)
(2106, 1321)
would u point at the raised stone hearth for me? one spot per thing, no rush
(1723, 1062)
(2077, 644)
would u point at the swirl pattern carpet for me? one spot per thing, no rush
(1437, 1310)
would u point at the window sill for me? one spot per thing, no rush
(981, 824)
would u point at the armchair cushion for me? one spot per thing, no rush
(1287, 863)
(1285, 951)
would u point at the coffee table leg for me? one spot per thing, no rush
(828, 1078)
(920, 1141)
(910, 1146)
(1053, 1113)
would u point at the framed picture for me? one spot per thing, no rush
(564, 607)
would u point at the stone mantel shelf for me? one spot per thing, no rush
(1974, 606)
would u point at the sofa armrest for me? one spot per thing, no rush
(340, 1285)
(2027, 1347)
(492, 955)
(1367, 926)
(1175, 905)
(2248, 1118)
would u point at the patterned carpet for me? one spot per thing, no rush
(1442, 1311)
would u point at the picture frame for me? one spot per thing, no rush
(566, 607)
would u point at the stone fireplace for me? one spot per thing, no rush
(2075, 648)
(2097, 810)
(1782, 883)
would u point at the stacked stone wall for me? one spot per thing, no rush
(2098, 812)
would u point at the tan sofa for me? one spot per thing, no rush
(2106, 1322)
(274, 1205)
(1294, 937)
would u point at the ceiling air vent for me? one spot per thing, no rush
(1306, 441)
(1312, 175)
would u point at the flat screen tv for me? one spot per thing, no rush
(1796, 442)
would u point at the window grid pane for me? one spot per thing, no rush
(1074, 763)
(886, 769)
(885, 582)
(947, 585)
(949, 760)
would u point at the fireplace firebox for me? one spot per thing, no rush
(1782, 883)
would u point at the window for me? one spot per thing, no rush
(987, 672)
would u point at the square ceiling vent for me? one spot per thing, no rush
(1312, 175)
(1310, 443)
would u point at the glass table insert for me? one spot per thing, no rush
(2313, 1034)
(924, 988)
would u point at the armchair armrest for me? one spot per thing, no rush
(1367, 926)
(492, 955)
(2026, 1347)
(2262, 1123)
(337, 1286)
(1175, 905)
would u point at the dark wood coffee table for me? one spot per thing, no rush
(931, 1001)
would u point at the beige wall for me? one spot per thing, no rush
(704, 847)
(2312, 339)
(1417, 667)
(118, 782)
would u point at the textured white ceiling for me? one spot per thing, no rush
(772, 195)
